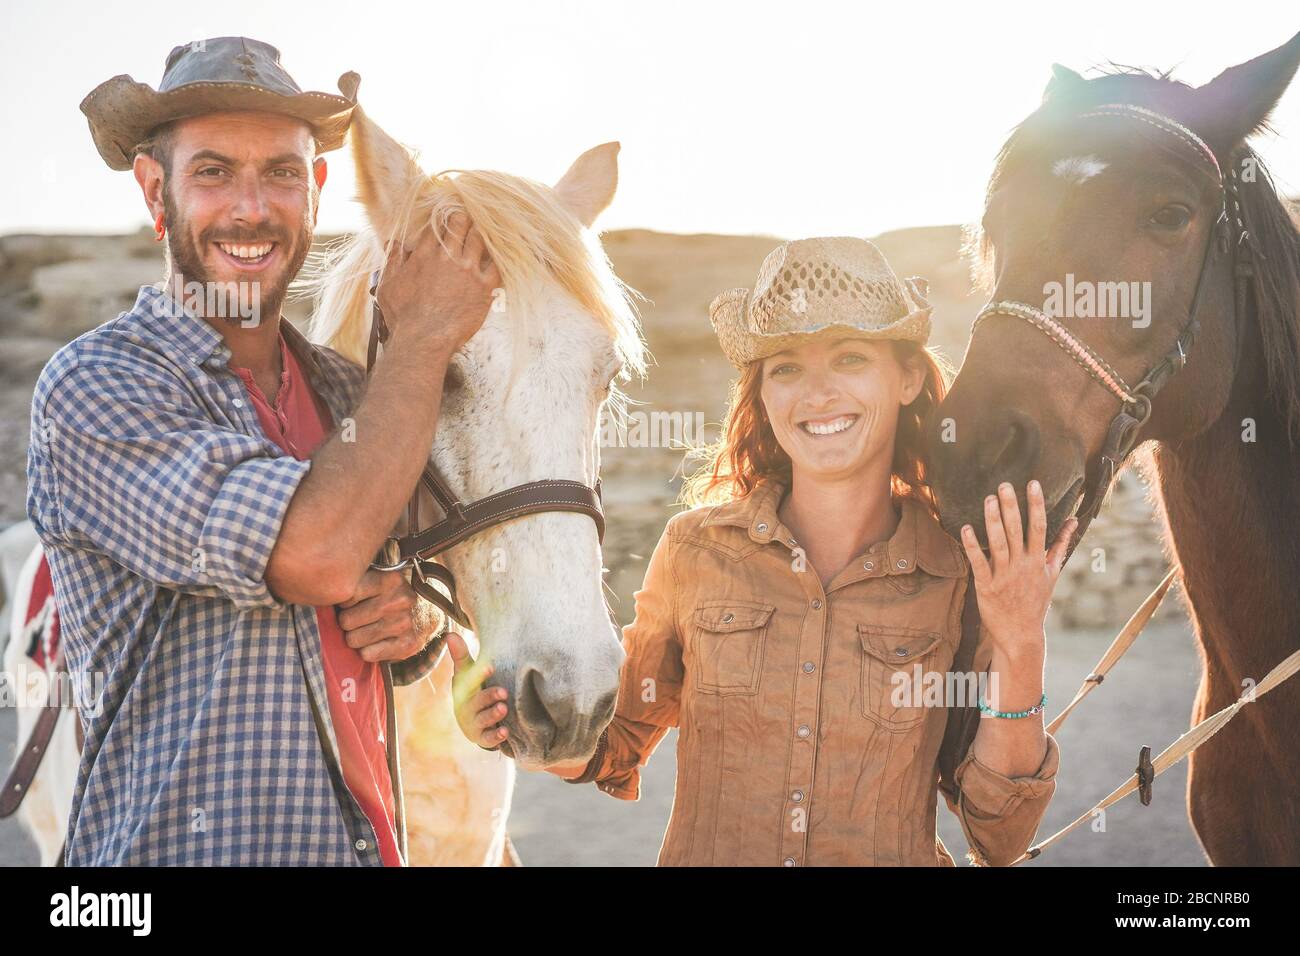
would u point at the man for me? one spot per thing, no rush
(210, 490)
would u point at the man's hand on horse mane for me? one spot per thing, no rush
(385, 620)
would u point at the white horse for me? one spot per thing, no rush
(522, 403)
(45, 809)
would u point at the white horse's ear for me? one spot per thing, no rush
(588, 187)
(386, 172)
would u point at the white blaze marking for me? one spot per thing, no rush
(1078, 169)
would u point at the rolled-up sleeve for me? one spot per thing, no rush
(1001, 814)
(650, 686)
(131, 467)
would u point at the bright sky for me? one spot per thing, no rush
(794, 118)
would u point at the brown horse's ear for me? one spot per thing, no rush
(1238, 101)
(1064, 83)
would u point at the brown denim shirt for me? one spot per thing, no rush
(791, 751)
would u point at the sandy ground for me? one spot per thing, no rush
(1146, 700)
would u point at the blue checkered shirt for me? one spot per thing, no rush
(158, 499)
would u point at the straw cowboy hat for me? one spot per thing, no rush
(812, 289)
(210, 76)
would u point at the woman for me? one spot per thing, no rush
(801, 624)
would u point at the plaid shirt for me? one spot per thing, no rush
(158, 499)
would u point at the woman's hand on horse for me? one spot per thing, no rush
(479, 710)
(441, 290)
(1014, 583)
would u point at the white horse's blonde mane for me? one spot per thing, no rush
(528, 232)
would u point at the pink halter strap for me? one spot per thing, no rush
(1094, 364)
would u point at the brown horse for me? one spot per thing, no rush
(1091, 198)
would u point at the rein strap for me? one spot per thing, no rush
(418, 547)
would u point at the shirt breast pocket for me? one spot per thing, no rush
(892, 696)
(727, 639)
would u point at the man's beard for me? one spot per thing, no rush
(187, 267)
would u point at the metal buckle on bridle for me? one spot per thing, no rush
(391, 550)
(419, 546)
(1121, 437)
(1142, 400)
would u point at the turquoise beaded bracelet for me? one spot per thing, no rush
(986, 709)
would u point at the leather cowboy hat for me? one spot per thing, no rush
(818, 288)
(210, 76)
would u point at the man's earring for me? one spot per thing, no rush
(159, 229)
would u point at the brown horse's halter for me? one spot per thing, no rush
(1135, 401)
(417, 548)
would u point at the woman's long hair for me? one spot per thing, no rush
(748, 451)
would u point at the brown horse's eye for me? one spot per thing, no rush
(1174, 216)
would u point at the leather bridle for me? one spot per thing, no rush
(1228, 236)
(419, 546)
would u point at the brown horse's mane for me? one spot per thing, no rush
(1274, 222)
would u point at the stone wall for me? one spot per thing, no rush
(1118, 563)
